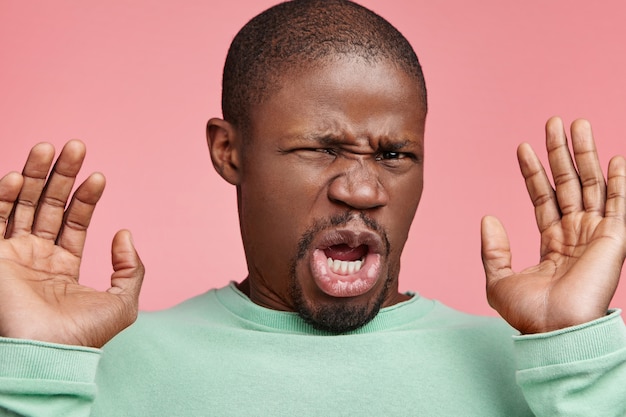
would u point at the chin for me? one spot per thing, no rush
(338, 315)
(340, 278)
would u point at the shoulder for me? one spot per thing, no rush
(160, 328)
(425, 314)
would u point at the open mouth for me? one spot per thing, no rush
(347, 262)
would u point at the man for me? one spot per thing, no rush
(323, 136)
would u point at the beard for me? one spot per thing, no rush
(338, 316)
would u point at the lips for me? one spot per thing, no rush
(347, 262)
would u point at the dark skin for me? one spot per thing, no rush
(582, 223)
(583, 237)
(336, 143)
(41, 251)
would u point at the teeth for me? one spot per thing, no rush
(344, 267)
(336, 265)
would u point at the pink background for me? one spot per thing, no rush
(138, 80)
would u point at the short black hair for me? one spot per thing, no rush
(299, 34)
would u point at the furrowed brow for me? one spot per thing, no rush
(395, 146)
(314, 138)
(327, 140)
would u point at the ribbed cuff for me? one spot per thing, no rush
(28, 359)
(572, 344)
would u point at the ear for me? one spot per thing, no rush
(224, 146)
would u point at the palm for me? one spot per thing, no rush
(39, 266)
(583, 240)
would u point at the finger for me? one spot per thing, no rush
(51, 206)
(591, 176)
(540, 190)
(78, 215)
(35, 172)
(495, 250)
(10, 186)
(616, 189)
(566, 179)
(128, 272)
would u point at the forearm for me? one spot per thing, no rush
(44, 379)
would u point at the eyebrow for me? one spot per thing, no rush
(330, 140)
(326, 140)
(395, 146)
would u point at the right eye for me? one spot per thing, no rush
(328, 151)
(324, 155)
(323, 151)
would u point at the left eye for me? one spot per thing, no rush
(390, 155)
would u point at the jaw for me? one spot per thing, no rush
(338, 297)
(339, 303)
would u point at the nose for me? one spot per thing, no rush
(358, 186)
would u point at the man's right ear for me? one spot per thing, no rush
(225, 148)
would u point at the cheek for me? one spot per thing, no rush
(280, 194)
(276, 206)
(404, 200)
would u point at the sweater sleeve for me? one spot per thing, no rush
(577, 371)
(46, 379)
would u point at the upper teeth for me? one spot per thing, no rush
(344, 267)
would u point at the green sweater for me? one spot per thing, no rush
(219, 354)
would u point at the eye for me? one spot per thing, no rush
(390, 155)
(318, 155)
(328, 151)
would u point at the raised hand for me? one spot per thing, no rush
(41, 245)
(583, 237)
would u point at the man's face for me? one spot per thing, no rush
(332, 173)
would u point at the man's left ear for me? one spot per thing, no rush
(224, 146)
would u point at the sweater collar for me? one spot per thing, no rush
(256, 317)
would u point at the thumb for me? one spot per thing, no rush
(495, 250)
(128, 270)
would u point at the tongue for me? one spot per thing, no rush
(344, 252)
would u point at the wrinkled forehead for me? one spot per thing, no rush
(343, 69)
(345, 94)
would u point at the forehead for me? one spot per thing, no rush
(345, 69)
(348, 94)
